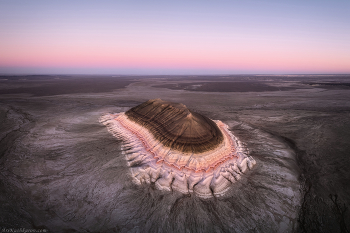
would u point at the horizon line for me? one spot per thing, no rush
(184, 74)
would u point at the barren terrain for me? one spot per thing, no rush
(61, 170)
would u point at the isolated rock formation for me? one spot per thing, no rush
(176, 127)
(178, 149)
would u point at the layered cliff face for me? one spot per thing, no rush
(176, 127)
(175, 148)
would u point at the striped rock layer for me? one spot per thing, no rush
(206, 166)
(176, 127)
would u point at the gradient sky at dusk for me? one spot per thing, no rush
(174, 37)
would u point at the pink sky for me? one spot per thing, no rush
(186, 40)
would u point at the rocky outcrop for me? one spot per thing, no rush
(175, 148)
(176, 127)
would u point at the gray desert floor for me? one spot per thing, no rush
(62, 171)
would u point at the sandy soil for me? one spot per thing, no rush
(62, 171)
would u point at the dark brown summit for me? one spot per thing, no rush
(176, 127)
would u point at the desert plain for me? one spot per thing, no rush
(62, 171)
